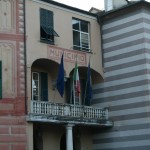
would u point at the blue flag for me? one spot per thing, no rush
(60, 78)
(88, 93)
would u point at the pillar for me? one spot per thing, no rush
(69, 137)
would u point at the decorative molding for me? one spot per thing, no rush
(21, 70)
(7, 16)
(8, 56)
(20, 17)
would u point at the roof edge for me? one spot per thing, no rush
(68, 7)
(103, 15)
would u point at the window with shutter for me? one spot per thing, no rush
(46, 26)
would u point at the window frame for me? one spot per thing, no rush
(81, 46)
(38, 80)
(47, 31)
(40, 87)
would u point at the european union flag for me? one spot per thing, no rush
(60, 78)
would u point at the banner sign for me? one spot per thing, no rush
(72, 56)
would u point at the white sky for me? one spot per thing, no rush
(85, 4)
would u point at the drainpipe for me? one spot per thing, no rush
(25, 61)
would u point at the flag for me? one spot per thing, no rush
(76, 78)
(88, 91)
(60, 78)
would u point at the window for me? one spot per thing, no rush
(39, 86)
(80, 35)
(46, 26)
(35, 86)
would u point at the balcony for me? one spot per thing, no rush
(68, 113)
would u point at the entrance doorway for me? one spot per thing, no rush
(63, 142)
(37, 138)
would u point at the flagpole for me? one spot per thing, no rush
(85, 91)
(74, 92)
(86, 83)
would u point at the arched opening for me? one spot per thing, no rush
(43, 79)
(81, 98)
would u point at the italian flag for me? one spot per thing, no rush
(76, 79)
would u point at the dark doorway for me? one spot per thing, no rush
(76, 141)
(44, 86)
(63, 142)
(37, 139)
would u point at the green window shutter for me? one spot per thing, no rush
(50, 19)
(46, 18)
(0, 79)
(47, 31)
(42, 17)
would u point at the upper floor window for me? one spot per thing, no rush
(46, 26)
(80, 35)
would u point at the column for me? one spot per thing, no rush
(69, 137)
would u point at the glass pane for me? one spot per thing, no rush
(85, 41)
(75, 24)
(84, 44)
(35, 76)
(35, 86)
(84, 36)
(35, 91)
(76, 47)
(76, 38)
(85, 49)
(35, 97)
(84, 26)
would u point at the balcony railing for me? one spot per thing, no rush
(66, 112)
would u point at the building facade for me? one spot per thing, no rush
(33, 36)
(125, 43)
(56, 122)
(13, 125)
